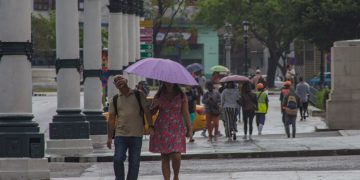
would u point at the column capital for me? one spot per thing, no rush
(117, 6)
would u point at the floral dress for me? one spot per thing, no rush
(169, 129)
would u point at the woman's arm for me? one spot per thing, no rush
(186, 114)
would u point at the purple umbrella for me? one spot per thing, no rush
(194, 67)
(234, 78)
(163, 70)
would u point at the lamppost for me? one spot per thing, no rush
(227, 37)
(246, 36)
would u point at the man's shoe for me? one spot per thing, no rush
(203, 134)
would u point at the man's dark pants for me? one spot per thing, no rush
(122, 144)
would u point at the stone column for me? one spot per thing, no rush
(115, 49)
(344, 102)
(92, 73)
(125, 41)
(69, 131)
(132, 38)
(21, 144)
(138, 12)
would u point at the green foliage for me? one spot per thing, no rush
(271, 22)
(321, 97)
(325, 21)
(43, 31)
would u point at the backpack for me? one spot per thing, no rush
(291, 105)
(214, 107)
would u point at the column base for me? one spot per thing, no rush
(69, 147)
(24, 168)
(69, 125)
(343, 114)
(98, 125)
(27, 144)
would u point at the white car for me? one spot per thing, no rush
(278, 83)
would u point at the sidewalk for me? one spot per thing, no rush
(273, 143)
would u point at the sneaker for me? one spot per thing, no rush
(250, 138)
(191, 140)
(203, 134)
(234, 136)
(245, 137)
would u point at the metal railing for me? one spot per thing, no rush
(312, 95)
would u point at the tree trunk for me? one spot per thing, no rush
(272, 65)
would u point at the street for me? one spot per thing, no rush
(213, 169)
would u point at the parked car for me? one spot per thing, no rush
(315, 81)
(278, 83)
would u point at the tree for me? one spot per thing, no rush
(164, 14)
(43, 32)
(271, 22)
(323, 22)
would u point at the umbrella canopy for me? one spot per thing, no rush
(219, 68)
(194, 67)
(163, 70)
(234, 78)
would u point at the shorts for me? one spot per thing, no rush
(192, 117)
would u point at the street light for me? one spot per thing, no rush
(227, 36)
(246, 36)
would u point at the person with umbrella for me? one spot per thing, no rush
(249, 106)
(229, 101)
(169, 137)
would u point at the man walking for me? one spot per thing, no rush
(290, 105)
(126, 112)
(303, 90)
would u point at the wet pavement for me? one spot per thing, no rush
(273, 143)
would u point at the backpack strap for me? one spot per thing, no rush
(141, 112)
(115, 103)
(137, 95)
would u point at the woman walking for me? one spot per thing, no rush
(169, 136)
(249, 106)
(263, 104)
(229, 101)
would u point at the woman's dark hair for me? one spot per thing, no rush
(209, 84)
(246, 87)
(177, 90)
(230, 85)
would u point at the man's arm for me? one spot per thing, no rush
(110, 129)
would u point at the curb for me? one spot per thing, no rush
(272, 154)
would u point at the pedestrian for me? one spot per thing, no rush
(290, 105)
(249, 106)
(143, 86)
(212, 100)
(303, 91)
(126, 112)
(283, 92)
(191, 97)
(290, 73)
(258, 79)
(169, 137)
(263, 106)
(229, 102)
